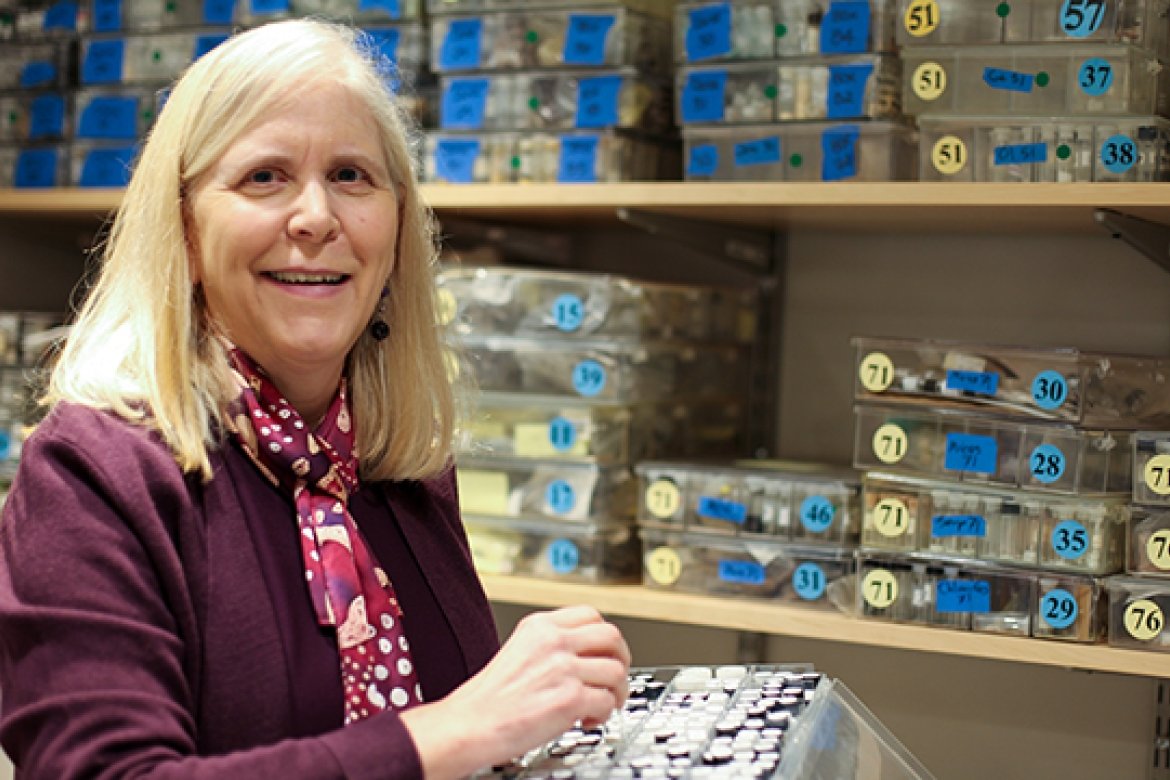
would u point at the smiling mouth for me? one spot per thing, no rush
(303, 278)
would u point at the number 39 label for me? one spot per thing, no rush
(1144, 620)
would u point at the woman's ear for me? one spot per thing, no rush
(191, 245)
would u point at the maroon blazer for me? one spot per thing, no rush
(146, 630)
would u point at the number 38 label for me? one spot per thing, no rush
(1119, 153)
(1144, 620)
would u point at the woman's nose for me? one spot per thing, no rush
(313, 218)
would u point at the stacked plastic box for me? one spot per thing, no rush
(550, 91)
(24, 339)
(1038, 90)
(579, 376)
(998, 484)
(793, 90)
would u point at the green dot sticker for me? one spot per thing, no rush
(1003, 10)
(170, 7)
(148, 115)
(12, 117)
(796, 161)
(531, 36)
(515, 162)
(1063, 152)
(156, 55)
(781, 30)
(533, 103)
(1042, 79)
(770, 92)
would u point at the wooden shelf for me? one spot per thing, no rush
(744, 615)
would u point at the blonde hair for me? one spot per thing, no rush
(142, 346)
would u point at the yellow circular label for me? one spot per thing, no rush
(922, 17)
(663, 498)
(1157, 474)
(1143, 620)
(1158, 549)
(949, 155)
(879, 588)
(889, 443)
(876, 372)
(929, 81)
(891, 517)
(663, 565)
(447, 307)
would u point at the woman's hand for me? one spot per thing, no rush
(557, 668)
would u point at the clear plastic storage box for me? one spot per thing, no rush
(361, 12)
(1151, 468)
(548, 489)
(101, 163)
(1149, 542)
(442, 7)
(48, 19)
(106, 113)
(1069, 608)
(1138, 609)
(34, 166)
(154, 15)
(1023, 149)
(34, 65)
(557, 551)
(868, 151)
(35, 116)
(144, 58)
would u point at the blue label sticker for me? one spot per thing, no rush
(61, 16)
(721, 509)
(463, 104)
(703, 160)
(5, 445)
(37, 74)
(218, 11)
(46, 117)
(568, 312)
(563, 556)
(269, 6)
(1021, 154)
(1070, 540)
(758, 151)
(586, 37)
(392, 8)
(589, 378)
(971, 452)
(577, 162)
(1059, 608)
(839, 153)
(816, 514)
(386, 40)
(1049, 389)
(1081, 18)
(963, 596)
(1009, 80)
(703, 95)
(708, 32)
(109, 117)
(1046, 463)
(205, 43)
(1119, 153)
(36, 168)
(808, 580)
(461, 48)
(845, 27)
(741, 572)
(562, 434)
(982, 382)
(965, 526)
(1095, 76)
(847, 88)
(597, 101)
(455, 159)
(107, 167)
(560, 497)
(107, 15)
(103, 62)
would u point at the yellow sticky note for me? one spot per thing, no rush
(483, 492)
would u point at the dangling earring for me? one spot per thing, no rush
(379, 329)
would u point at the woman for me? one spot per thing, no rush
(233, 547)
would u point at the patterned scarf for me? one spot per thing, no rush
(348, 590)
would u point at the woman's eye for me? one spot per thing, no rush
(349, 174)
(262, 176)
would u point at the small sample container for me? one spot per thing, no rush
(405, 47)
(361, 12)
(1084, 535)
(144, 58)
(549, 489)
(37, 65)
(35, 116)
(1063, 385)
(1069, 80)
(31, 166)
(818, 151)
(1151, 468)
(867, 86)
(892, 588)
(1068, 608)
(1011, 149)
(939, 443)
(591, 553)
(1008, 605)
(153, 15)
(107, 113)
(1149, 542)
(738, 30)
(1138, 609)
(736, 93)
(102, 163)
(47, 19)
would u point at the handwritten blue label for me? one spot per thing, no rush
(1070, 540)
(1049, 389)
(463, 104)
(1021, 154)
(562, 434)
(703, 160)
(708, 32)
(586, 37)
(966, 526)
(721, 509)
(107, 167)
(758, 151)
(392, 8)
(847, 87)
(845, 28)
(1010, 80)
(741, 572)
(455, 159)
(568, 312)
(1095, 76)
(961, 596)
(982, 382)
(269, 6)
(103, 62)
(107, 15)
(36, 168)
(1059, 608)
(577, 163)
(461, 48)
(589, 378)
(218, 11)
(971, 452)
(1119, 153)
(386, 39)
(205, 43)
(702, 97)
(1047, 463)
(597, 101)
(808, 580)
(816, 514)
(560, 497)
(563, 556)
(38, 74)
(1081, 18)
(46, 117)
(109, 117)
(61, 16)
(839, 153)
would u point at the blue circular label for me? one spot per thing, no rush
(816, 514)
(5, 444)
(568, 312)
(1058, 608)
(560, 496)
(564, 556)
(809, 581)
(1119, 153)
(1049, 389)
(1082, 18)
(589, 378)
(562, 434)
(1070, 540)
(1046, 463)
(1095, 76)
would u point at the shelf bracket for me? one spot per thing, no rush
(1152, 239)
(746, 249)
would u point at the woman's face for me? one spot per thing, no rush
(293, 234)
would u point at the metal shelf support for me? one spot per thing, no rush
(1152, 239)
